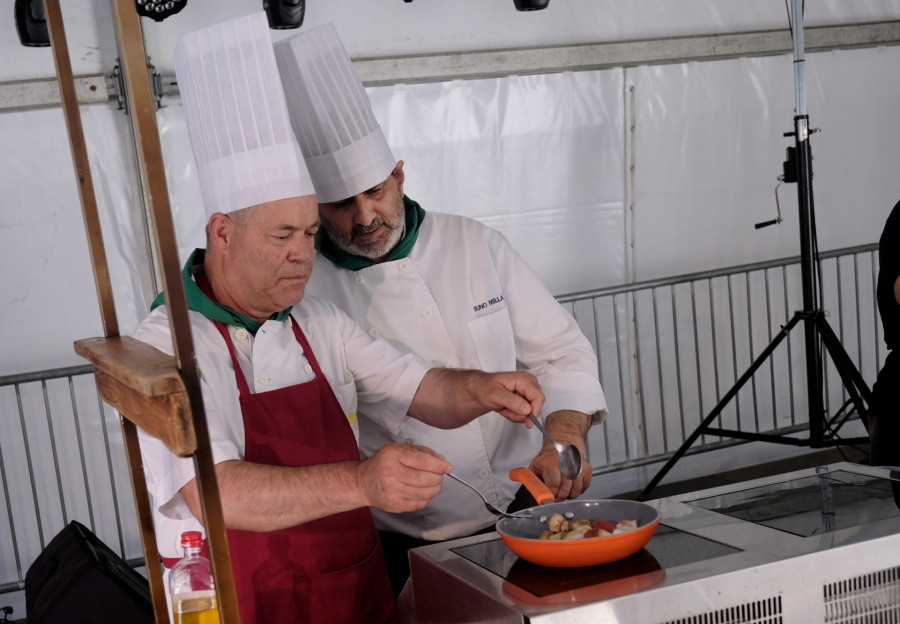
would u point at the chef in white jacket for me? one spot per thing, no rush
(445, 287)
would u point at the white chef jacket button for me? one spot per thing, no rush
(484, 473)
(408, 441)
(404, 265)
(450, 365)
(264, 380)
(241, 334)
(360, 279)
(308, 368)
(426, 313)
(373, 332)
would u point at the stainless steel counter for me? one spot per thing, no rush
(813, 545)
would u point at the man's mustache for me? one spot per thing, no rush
(365, 229)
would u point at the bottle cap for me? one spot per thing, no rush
(191, 539)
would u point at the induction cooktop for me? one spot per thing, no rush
(669, 548)
(815, 545)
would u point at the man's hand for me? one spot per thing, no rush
(402, 477)
(567, 427)
(259, 497)
(449, 398)
(512, 395)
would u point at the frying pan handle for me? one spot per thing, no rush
(534, 485)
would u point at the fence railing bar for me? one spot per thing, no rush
(696, 328)
(639, 377)
(12, 522)
(752, 355)
(706, 275)
(112, 476)
(859, 355)
(82, 455)
(734, 360)
(659, 373)
(52, 373)
(823, 364)
(696, 450)
(787, 315)
(769, 341)
(841, 319)
(54, 454)
(715, 345)
(596, 318)
(37, 507)
(675, 333)
(617, 328)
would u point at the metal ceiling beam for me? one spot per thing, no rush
(42, 93)
(487, 63)
(439, 67)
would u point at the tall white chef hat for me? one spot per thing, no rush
(346, 151)
(236, 116)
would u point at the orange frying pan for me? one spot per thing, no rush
(520, 534)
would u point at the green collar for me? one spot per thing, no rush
(414, 217)
(199, 302)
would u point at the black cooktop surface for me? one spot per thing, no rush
(814, 505)
(668, 548)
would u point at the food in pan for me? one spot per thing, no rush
(559, 528)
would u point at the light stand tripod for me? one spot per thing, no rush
(817, 332)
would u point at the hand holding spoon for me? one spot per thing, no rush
(569, 456)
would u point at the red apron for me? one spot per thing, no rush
(326, 570)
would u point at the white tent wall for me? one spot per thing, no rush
(709, 145)
(598, 177)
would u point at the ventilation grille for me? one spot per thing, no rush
(872, 598)
(766, 611)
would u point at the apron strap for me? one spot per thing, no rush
(310, 356)
(206, 287)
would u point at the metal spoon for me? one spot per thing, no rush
(569, 456)
(488, 506)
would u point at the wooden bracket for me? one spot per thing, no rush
(144, 384)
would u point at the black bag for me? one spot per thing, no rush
(77, 579)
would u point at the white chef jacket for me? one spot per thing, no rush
(361, 370)
(465, 298)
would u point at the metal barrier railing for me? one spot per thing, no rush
(666, 349)
(61, 459)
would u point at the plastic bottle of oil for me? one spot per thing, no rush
(191, 585)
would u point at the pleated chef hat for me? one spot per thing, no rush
(346, 151)
(236, 116)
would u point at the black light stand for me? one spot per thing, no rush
(817, 332)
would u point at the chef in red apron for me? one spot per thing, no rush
(282, 375)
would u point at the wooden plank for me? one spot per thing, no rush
(141, 106)
(141, 367)
(145, 520)
(167, 417)
(82, 167)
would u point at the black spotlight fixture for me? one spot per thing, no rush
(31, 24)
(158, 10)
(531, 5)
(283, 14)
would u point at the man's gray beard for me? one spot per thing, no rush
(345, 244)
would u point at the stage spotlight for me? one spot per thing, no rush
(159, 10)
(284, 14)
(31, 23)
(531, 5)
